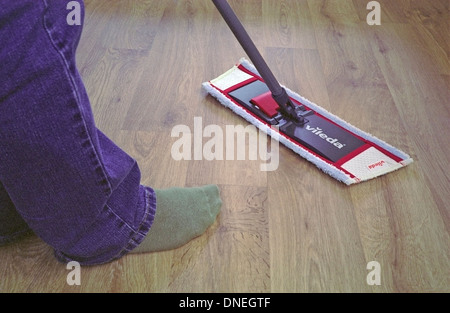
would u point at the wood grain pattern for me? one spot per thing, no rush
(294, 229)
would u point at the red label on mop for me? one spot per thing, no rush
(377, 165)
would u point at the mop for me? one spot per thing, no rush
(339, 149)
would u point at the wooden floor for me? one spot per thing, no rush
(294, 229)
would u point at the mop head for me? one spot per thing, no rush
(339, 149)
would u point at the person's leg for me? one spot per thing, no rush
(72, 186)
(12, 225)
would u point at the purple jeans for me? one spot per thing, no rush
(60, 177)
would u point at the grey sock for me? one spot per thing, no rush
(181, 215)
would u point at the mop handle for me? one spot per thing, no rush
(278, 93)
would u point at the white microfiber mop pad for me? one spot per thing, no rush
(374, 158)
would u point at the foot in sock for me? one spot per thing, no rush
(181, 215)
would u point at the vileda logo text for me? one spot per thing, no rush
(319, 132)
(377, 164)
